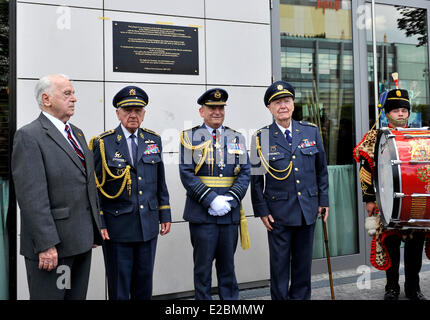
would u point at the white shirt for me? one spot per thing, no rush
(283, 129)
(127, 135)
(61, 126)
(220, 129)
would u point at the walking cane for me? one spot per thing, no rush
(328, 254)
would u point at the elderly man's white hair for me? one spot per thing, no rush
(44, 86)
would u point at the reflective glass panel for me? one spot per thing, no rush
(316, 58)
(402, 46)
(4, 148)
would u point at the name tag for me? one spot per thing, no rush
(118, 157)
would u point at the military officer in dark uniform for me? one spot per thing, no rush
(133, 196)
(214, 169)
(289, 189)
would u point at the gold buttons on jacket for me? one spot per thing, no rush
(298, 181)
(140, 192)
(141, 206)
(299, 193)
(293, 156)
(140, 178)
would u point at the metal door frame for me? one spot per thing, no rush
(361, 99)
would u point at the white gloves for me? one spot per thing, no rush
(220, 206)
(371, 224)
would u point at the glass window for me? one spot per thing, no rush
(318, 63)
(401, 41)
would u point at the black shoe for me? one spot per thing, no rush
(416, 296)
(391, 295)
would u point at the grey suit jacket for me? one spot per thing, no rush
(56, 195)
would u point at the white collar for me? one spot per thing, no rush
(60, 125)
(220, 129)
(283, 129)
(127, 133)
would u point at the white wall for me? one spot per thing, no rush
(234, 53)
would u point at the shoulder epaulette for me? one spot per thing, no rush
(106, 133)
(306, 123)
(150, 131)
(191, 129)
(261, 129)
(97, 138)
(366, 146)
(231, 129)
(257, 132)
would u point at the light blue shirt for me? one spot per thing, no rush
(283, 129)
(220, 129)
(127, 135)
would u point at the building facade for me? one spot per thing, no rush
(325, 48)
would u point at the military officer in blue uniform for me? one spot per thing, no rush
(215, 171)
(289, 189)
(133, 197)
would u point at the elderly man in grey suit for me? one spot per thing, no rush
(53, 172)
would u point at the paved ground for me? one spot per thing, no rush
(350, 285)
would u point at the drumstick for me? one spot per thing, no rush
(395, 76)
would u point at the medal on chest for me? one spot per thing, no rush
(219, 154)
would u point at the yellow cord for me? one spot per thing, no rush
(186, 142)
(245, 242)
(126, 174)
(269, 168)
(377, 120)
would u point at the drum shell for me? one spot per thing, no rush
(411, 181)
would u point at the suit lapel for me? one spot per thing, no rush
(201, 135)
(80, 136)
(61, 141)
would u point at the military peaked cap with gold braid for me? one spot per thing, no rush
(130, 96)
(278, 90)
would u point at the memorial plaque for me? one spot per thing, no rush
(155, 48)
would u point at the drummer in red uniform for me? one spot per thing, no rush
(385, 249)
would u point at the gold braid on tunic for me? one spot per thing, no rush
(105, 169)
(266, 164)
(207, 148)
